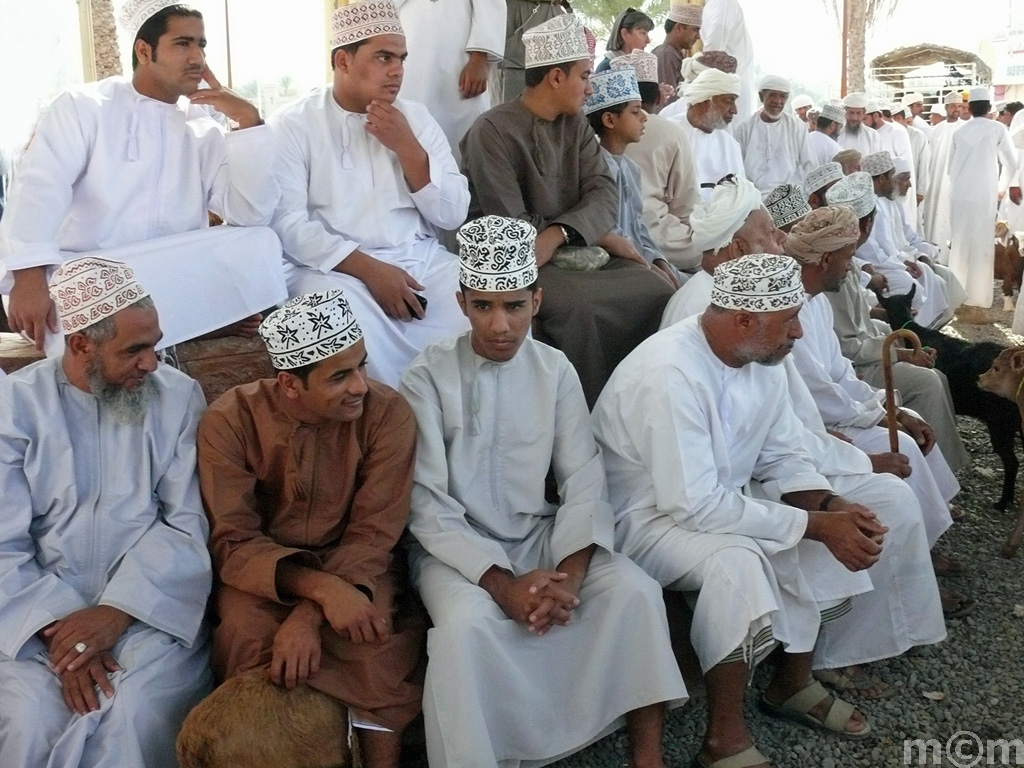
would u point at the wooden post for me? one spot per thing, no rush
(227, 42)
(846, 47)
(88, 47)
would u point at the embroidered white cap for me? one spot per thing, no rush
(91, 289)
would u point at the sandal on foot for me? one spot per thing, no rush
(745, 759)
(957, 513)
(955, 605)
(943, 565)
(798, 706)
(859, 684)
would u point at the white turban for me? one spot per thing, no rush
(856, 100)
(691, 68)
(953, 97)
(711, 83)
(901, 165)
(774, 83)
(717, 219)
(912, 98)
(803, 100)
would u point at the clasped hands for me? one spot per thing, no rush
(540, 599)
(97, 629)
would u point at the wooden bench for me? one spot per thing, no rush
(217, 364)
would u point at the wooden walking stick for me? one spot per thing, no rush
(890, 390)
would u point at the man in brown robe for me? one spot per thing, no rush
(537, 159)
(306, 479)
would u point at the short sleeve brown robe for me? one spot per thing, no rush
(552, 172)
(331, 496)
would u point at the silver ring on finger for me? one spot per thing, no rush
(81, 647)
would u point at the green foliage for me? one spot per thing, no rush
(599, 14)
(249, 90)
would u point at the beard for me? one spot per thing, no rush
(126, 406)
(853, 130)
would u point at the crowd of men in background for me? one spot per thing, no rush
(552, 335)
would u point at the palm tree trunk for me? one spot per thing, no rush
(856, 45)
(105, 48)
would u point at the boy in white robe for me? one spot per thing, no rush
(367, 181)
(527, 596)
(104, 571)
(130, 170)
(714, 491)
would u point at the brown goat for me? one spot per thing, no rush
(1009, 265)
(248, 722)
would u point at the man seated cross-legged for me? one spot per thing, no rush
(543, 637)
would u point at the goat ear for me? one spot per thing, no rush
(1017, 360)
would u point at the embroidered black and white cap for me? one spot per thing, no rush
(822, 175)
(556, 41)
(363, 20)
(856, 190)
(877, 163)
(786, 203)
(760, 282)
(496, 254)
(310, 328)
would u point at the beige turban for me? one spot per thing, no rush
(711, 83)
(822, 231)
(715, 221)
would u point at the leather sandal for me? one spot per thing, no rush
(798, 706)
(745, 759)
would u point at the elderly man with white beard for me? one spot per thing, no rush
(104, 571)
(712, 106)
(774, 142)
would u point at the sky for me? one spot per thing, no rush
(39, 43)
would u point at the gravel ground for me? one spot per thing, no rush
(971, 682)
